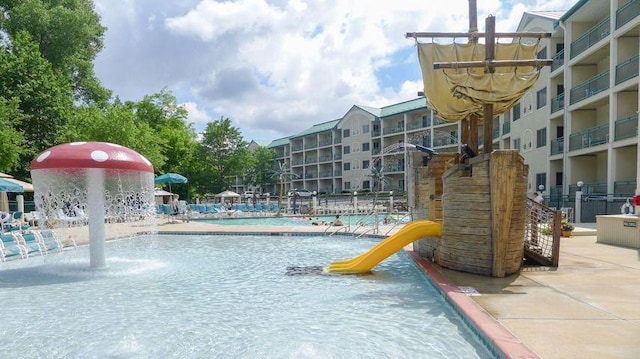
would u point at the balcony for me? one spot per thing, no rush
(311, 145)
(588, 39)
(624, 187)
(557, 146)
(589, 137)
(375, 133)
(557, 103)
(627, 12)
(626, 128)
(391, 130)
(590, 87)
(325, 158)
(627, 69)
(326, 142)
(558, 60)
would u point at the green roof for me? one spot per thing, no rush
(279, 142)
(320, 127)
(396, 109)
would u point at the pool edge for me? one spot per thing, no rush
(507, 344)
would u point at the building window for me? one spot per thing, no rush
(516, 112)
(542, 54)
(365, 146)
(542, 98)
(346, 133)
(365, 164)
(365, 128)
(346, 166)
(366, 185)
(516, 144)
(541, 137)
(346, 150)
(347, 185)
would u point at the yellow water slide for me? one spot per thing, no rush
(381, 251)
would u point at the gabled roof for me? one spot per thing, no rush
(402, 107)
(279, 142)
(320, 127)
(396, 109)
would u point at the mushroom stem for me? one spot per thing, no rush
(95, 202)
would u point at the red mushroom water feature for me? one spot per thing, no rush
(110, 182)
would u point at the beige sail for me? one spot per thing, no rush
(457, 93)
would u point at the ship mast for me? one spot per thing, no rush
(469, 132)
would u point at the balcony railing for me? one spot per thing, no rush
(375, 133)
(325, 158)
(296, 148)
(589, 188)
(589, 38)
(506, 127)
(624, 187)
(326, 142)
(557, 146)
(496, 131)
(590, 87)
(558, 60)
(394, 129)
(626, 127)
(627, 12)
(627, 69)
(589, 137)
(557, 103)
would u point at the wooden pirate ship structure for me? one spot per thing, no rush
(479, 197)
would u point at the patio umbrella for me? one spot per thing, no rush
(169, 178)
(7, 186)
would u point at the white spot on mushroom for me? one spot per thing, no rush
(43, 156)
(76, 143)
(99, 156)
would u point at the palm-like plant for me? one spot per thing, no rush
(379, 179)
(282, 173)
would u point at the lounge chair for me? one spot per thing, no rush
(29, 242)
(50, 241)
(9, 248)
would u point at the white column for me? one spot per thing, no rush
(355, 202)
(390, 201)
(96, 214)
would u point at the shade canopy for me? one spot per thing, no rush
(227, 194)
(161, 192)
(169, 178)
(9, 186)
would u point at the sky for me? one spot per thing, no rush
(277, 67)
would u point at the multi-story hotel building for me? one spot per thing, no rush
(579, 123)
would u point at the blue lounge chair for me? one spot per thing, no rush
(29, 242)
(9, 248)
(50, 241)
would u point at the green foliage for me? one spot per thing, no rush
(260, 165)
(69, 36)
(10, 137)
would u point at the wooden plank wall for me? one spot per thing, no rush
(466, 230)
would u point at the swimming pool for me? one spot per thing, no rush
(347, 219)
(226, 296)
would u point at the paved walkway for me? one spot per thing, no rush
(588, 307)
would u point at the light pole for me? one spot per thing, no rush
(578, 210)
(314, 202)
(390, 202)
(355, 201)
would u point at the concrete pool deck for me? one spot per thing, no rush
(588, 307)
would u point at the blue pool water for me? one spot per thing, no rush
(225, 297)
(352, 219)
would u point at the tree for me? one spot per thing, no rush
(282, 173)
(68, 35)
(44, 97)
(258, 173)
(10, 137)
(378, 180)
(222, 153)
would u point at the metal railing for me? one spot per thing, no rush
(589, 38)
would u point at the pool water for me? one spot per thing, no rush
(350, 219)
(226, 297)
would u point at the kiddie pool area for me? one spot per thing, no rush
(227, 296)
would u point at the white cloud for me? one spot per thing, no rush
(277, 67)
